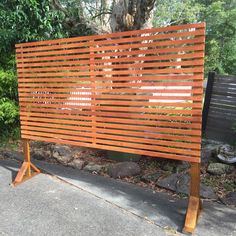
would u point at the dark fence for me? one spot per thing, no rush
(219, 113)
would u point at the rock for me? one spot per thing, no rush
(182, 166)
(180, 183)
(40, 154)
(207, 154)
(40, 144)
(227, 154)
(123, 169)
(8, 154)
(209, 150)
(62, 154)
(168, 167)
(82, 152)
(91, 167)
(219, 168)
(77, 163)
(230, 199)
(153, 177)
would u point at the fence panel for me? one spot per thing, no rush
(137, 92)
(221, 108)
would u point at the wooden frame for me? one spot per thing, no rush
(28, 169)
(138, 92)
(194, 204)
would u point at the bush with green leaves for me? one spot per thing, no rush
(8, 85)
(9, 111)
(21, 21)
(9, 118)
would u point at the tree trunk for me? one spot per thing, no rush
(131, 14)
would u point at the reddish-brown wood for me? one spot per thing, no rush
(194, 205)
(190, 56)
(138, 92)
(25, 171)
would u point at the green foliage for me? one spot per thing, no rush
(9, 118)
(220, 18)
(9, 111)
(8, 85)
(27, 20)
(21, 21)
(174, 12)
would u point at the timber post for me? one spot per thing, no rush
(27, 170)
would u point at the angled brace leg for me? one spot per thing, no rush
(27, 170)
(194, 204)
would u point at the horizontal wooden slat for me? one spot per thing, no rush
(166, 109)
(107, 147)
(117, 53)
(147, 123)
(175, 94)
(105, 36)
(76, 138)
(149, 44)
(78, 43)
(138, 87)
(115, 79)
(185, 118)
(103, 60)
(151, 129)
(182, 38)
(59, 121)
(162, 100)
(118, 72)
(142, 65)
(175, 129)
(128, 133)
(86, 92)
(116, 143)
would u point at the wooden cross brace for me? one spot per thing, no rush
(27, 170)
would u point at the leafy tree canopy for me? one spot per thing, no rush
(220, 18)
(26, 20)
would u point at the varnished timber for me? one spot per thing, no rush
(194, 204)
(138, 92)
(27, 170)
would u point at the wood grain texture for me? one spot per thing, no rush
(137, 92)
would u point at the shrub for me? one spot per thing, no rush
(9, 118)
(9, 111)
(8, 85)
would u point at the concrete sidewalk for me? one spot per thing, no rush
(165, 213)
(47, 206)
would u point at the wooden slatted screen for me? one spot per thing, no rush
(136, 92)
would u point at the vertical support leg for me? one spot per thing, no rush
(25, 171)
(194, 204)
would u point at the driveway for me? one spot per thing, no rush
(71, 202)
